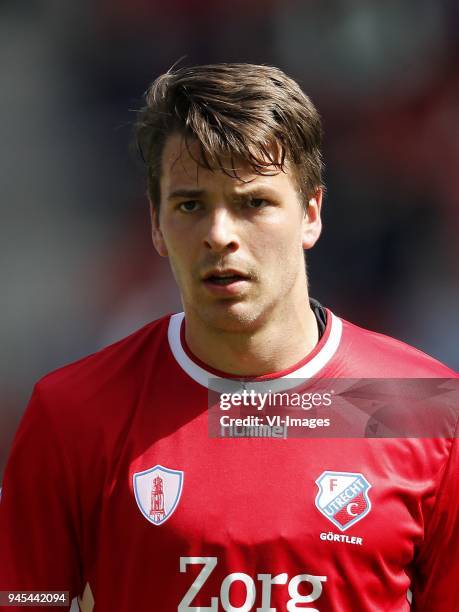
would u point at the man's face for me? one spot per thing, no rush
(235, 244)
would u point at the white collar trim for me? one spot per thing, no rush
(208, 379)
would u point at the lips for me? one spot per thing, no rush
(226, 282)
(224, 277)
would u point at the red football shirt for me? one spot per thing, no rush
(115, 492)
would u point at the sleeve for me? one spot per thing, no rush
(435, 580)
(38, 509)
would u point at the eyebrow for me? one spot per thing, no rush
(249, 191)
(254, 190)
(186, 193)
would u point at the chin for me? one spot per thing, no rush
(235, 317)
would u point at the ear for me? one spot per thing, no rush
(156, 233)
(312, 223)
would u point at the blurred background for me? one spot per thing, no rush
(77, 268)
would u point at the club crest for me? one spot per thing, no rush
(343, 497)
(157, 492)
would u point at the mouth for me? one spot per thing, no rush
(225, 279)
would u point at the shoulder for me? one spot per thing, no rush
(108, 370)
(372, 354)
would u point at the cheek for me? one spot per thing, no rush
(279, 261)
(175, 269)
(181, 262)
(177, 260)
(284, 245)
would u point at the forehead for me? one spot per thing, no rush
(180, 169)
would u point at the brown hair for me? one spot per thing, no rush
(241, 111)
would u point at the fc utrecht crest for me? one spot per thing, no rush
(343, 497)
(157, 492)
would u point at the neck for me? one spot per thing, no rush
(286, 338)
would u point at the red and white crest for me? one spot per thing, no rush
(157, 492)
(343, 497)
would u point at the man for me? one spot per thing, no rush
(116, 492)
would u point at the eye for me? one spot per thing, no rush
(257, 203)
(188, 206)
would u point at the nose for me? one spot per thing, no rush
(220, 235)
